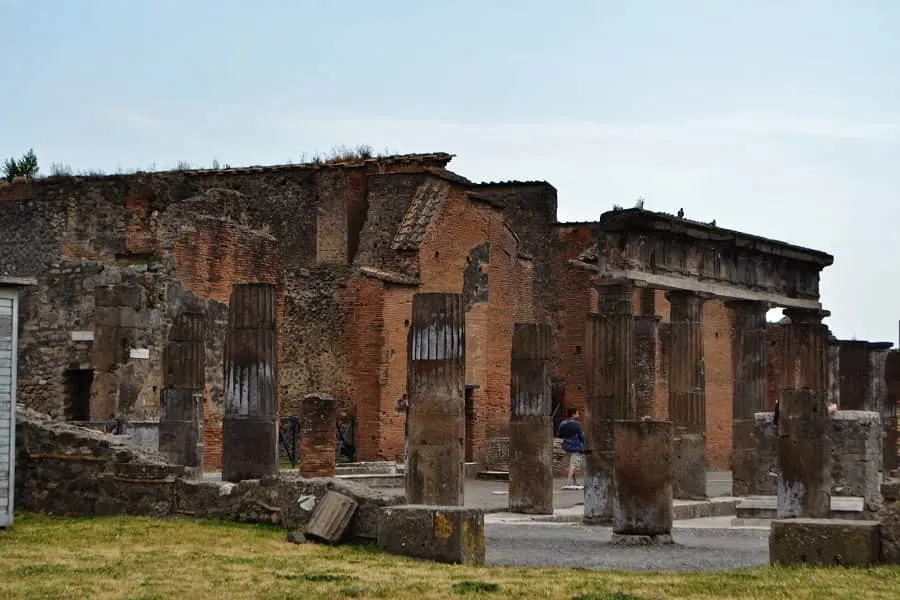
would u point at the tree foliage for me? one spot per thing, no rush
(27, 166)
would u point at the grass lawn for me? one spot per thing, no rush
(119, 557)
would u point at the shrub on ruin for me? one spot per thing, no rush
(27, 166)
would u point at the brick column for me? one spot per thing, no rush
(878, 402)
(804, 448)
(855, 378)
(609, 363)
(531, 426)
(250, 424)
(750, 388)
(687, 394)
(318, 435)
(643, 506)
(436, 389)
(181, 399)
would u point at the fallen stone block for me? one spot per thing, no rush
(824, 542)
(331, 518)
(447, 534)
(295, 537)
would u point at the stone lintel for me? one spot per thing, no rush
(18, 281)
(676, 282)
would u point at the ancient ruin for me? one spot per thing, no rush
(203, 306)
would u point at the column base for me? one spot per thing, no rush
(598, 488)
(689, 466)
(531, 466)
(745, 465)
(249, 448)
(625, 539)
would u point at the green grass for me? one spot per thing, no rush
(139, 558)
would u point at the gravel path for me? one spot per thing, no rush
(566, 545)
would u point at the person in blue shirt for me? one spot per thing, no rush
(572, 434)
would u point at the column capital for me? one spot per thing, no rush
(806, 315)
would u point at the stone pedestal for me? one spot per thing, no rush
(446, 534)
(250, 424)
(436, 389)
(829, 542)
(609, 362)
(643, 495)
(318, 435)
(750, 388)
(687, 395)
(181, 401)
(531, 426)
(804, 456)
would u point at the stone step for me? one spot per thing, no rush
(377, 480)
(758, 509)
(362, 468)
(493, 475)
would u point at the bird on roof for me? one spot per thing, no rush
(680, 213)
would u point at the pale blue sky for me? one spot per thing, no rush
(778, 118)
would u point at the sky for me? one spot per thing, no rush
(776, 118)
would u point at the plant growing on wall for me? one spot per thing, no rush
(27, 166)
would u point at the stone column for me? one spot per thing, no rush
(646, 338)
(318, 435)
(436, 389)
(530, 426)
(804, 448)
(643, 496)
(834, 372)
(892, 396)
(609, 361)
(750, 388)
(250, 424)
(181, 401)
(687, 394)
(878, 354)
(855, 377)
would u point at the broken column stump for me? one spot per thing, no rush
(531, 426)
(181, 399)
(318, 430)
(609, 362)
(446, 534)
(331, 518)
(824, 542)
(687, 395)
(436, 388)
(642, 512)
(250, 424)
(804, 456)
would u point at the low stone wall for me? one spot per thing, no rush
(855, 449)
(889, 515)
(497, 451)
(68, 470)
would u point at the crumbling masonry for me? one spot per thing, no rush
(121, 259)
